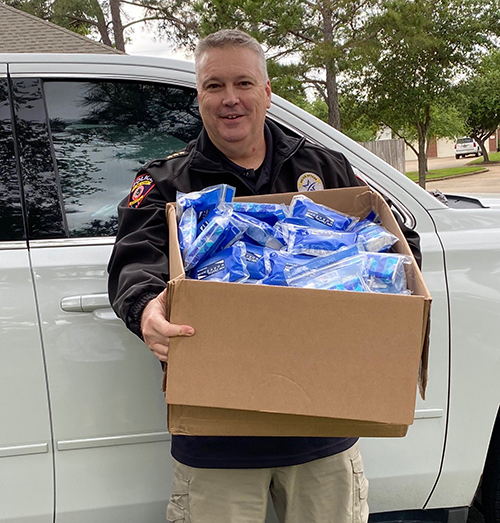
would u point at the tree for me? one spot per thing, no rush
(406, 79)
(107, 18)
(481, 101)
(355, 122)
(313, 38)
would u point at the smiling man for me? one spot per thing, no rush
(234, 94)
(228, 479)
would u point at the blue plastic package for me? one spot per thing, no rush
(386, 272)
(254, 257)
(319, 216)
(373, 217)
(230, 236)
(316, 242)
(354, 283)
(340, 276)
(219, 210)
(374, 237)
(266, 212)
(205, 200)
(228, 265)
(233, 232)
(298, 275)
(187, 229)
(277, 263)
(207, 241)
(380, 272)
(258, 231)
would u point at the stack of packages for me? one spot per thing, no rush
(301, 245)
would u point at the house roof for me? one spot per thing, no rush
(24, 33)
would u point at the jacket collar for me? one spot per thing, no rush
(206, 157)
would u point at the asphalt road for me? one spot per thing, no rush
(481, 183)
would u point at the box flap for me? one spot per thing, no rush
(176, 265)
(200, 421)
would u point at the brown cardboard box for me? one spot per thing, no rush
(280, 361)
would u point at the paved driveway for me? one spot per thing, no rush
(487, 182)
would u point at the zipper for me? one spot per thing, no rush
(242, 180)
(290, 154)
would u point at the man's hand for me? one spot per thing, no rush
(157, 331)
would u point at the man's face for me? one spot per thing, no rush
(233, 97)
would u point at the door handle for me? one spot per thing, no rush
(85, 303)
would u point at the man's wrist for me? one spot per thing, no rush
(135, 313)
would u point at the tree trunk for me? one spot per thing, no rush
(101, 24)
(482, 140)
(331, 73)
(333, 96)
(482, 146)
(422, 158)
(116, 18)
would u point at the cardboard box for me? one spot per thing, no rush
(282, 361)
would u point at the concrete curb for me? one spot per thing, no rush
(485, 170)
(454, 176)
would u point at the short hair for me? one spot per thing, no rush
(231, 38)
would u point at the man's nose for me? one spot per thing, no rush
(230, 96)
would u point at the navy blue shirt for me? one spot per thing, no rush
(254, 451)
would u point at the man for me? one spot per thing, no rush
(227, 479)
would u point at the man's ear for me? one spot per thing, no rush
(268, 93)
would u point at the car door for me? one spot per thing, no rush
(81, 142)
(26, 454)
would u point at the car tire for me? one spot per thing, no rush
(457, 156)
(490, 486)
(477, 154)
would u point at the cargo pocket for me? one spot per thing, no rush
(178, 506)
(360, 509)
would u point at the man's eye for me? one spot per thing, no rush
(211, 87)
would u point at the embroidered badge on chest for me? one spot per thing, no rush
(309, 182)
(140, 188)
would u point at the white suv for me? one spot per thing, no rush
(82, 432)
(465, 146)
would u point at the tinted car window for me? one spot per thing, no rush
(41, 189)
(103, 132)
(11, 222)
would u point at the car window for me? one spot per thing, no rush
(464, 140)
(103, 132)
(11, 221)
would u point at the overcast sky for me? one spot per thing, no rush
(143, 41)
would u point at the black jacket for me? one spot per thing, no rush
(138, 269)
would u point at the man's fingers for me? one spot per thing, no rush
(160, 351)
(179, 330)
(164, 329)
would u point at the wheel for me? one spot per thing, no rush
(477, 154)
(490, 487)
(457, 156)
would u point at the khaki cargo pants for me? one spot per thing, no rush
(327, 490)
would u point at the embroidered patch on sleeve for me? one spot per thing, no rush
(140, 188)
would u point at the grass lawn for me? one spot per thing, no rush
(494, 157)
(446, 173)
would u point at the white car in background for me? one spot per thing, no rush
(466, 146)
(82, 433)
